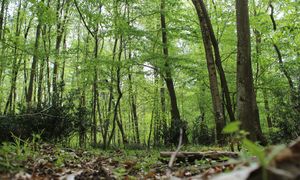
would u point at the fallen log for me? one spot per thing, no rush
(191, 156)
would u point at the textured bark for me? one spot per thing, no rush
(216, 98)
(247, 111)
(218, 61)
(176, 122)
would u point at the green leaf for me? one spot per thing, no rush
(232, 127)
(256, 150)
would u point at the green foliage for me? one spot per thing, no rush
(201, 133)
(54, 123)
(232, 127)
(13, 153)
(137, 24)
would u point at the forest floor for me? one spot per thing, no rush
(47, 161)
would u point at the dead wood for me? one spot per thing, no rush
(191, 156)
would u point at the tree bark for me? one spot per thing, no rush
(247, 111)
(33, 65)
(218, 61)
(2, 18)
(61, 8)
(214, 89)
(176, 122)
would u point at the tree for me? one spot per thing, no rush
(247, 110)
(176, 123)
(214, 89)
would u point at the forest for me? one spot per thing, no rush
(149, 89)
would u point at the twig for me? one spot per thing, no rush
(170, 165)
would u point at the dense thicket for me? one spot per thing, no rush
(105, 72)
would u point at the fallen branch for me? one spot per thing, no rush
(215, 155)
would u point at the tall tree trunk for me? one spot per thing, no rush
(118, 81)
(258, 41)
(62, 75)
(95, 90)
(2, 18)
(216, 98)
(163, 111)
(2, 61)
(119, 120)
(10, 104)
(61, 8)
(218, 61)
(176, 122)
(134, 110)
(33, 65)
(43, 61)
(247, 111)
(110, 101)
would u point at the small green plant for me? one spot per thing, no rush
(236, 135)
(13, 153)
(239, 136)
(120, 172)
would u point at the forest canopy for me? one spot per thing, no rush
(119, 72)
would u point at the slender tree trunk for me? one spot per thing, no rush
(42, 67)
(33, 65)
(281, 63)
(176, 122)
(60, 29)
(218, 61)
(95, 91)
(110, 102)
(62, 75)
(150, 129)
(264, 91)
(48, 66)
(247, 111)
(216, 98)
(164, 111)
(156, 116)
(2, 18)
(118, 76)
(134, 110)
(2, 32)
(119, 120)
(10, 104)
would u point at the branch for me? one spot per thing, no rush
(173, 157)
(82, 18)
(272, 17)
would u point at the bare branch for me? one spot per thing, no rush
(83, 20)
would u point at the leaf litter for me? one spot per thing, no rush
(51, 162)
